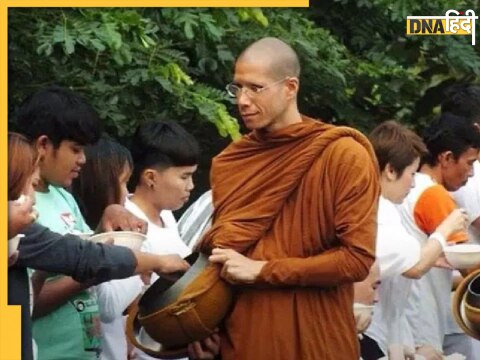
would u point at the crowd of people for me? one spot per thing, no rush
(333, 240)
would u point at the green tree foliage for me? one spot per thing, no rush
(392, 75)
(358, 66)
(133, 64)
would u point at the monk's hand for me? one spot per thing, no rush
(237, 269)
(208, 348)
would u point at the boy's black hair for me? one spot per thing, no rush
(449, 132)
(162, 144)
(60, 114)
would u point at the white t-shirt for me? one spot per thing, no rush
(468, 197)
(113, 298)
(396, 252)
(428, 310)
(160, 241)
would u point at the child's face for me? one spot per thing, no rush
(61, 165)
(173, 186)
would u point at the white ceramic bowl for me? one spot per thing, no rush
(84, 236)
(13, 244)
(362, 308)
(463, 256)
(130, 239)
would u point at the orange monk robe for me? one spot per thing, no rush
(317, 233)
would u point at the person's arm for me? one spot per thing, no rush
(168, 266)
(54, 293)
(85, 260)
(356, 188)
(113, 296)
(356, 192)
(42, 249)
(429, 253)
(429, 352)
(117, 217)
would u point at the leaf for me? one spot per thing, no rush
(58, 34)
(45, 48)
(187, 28)
(118, 58)
(257, 14)
(208, 65)
(113, 100)
(214, 32)
(166, 85)
(126, 54)
(189, 21)
(243, 14)
(97, 44)
(224, 54)
(144, 42)
(111, 36)
(69, 44)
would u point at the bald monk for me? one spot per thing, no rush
(294, 223)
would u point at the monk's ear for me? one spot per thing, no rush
(292, 86)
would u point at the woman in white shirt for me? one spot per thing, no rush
(400, 257)
(102, 182)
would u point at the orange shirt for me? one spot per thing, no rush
(432, 207)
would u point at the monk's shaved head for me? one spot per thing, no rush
(281, 58)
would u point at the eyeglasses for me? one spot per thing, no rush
(234, 90)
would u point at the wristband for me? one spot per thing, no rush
(440, 238)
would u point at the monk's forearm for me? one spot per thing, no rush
(332, 268)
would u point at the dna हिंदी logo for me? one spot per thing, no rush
(453, 23)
